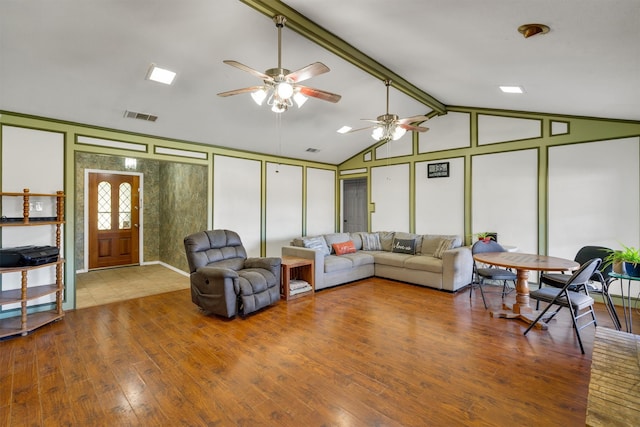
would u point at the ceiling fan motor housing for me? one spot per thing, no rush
(387, 118)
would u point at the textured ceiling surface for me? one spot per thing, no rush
(86, 62)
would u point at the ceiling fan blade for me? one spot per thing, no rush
(247, 69)
(413, 119)
(359, 129)
(243, 90)
(307, 72)
(413, 128)
(378, 122)
(320, 94)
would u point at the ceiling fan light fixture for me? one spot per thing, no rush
(378, 133)
(259, 96)
(279, 107)
(299, 99)
(284, 90)
(397, 133)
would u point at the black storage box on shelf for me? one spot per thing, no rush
(28, 255)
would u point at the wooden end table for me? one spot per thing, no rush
(296, 268)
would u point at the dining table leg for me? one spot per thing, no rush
(521, 309)
(522, 293)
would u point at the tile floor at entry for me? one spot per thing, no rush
(123, 283)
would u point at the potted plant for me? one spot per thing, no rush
(628, 258)
(485, 236)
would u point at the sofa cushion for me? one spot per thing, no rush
(430, 242)
(424, 263)
(344, 247)
(332, 238)
(371, 242)
(357, 240)
(386, 240)
(390, 258)
(404, 246)
(333, 263)
(317, 243)
(360, 258)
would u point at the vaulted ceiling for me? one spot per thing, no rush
(87, 61)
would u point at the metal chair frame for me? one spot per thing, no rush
(574, 300)
(490, 273)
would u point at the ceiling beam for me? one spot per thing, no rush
(312, 31)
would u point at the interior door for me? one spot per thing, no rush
(354, 205)
(113, 208)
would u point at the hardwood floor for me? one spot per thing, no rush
(373, 353)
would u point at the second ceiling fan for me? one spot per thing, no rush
(281, 86)
(390, 126)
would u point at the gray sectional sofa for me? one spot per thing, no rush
(435, 261)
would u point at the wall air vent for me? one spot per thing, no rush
(141, 116)
(313, 150)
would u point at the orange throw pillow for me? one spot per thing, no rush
(344, 248)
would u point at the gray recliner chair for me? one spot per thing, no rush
(223, 280)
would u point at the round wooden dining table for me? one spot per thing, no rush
(523, 264)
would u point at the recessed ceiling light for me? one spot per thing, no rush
(160, 75)
(511, 89)
(344, 129)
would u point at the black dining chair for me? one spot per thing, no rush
(483, 273)
(578, 301)
(597, 284)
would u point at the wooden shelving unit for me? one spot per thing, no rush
(27, 322)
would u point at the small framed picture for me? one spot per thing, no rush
(438, 170)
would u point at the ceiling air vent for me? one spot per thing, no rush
(313, 150)
(141, 116)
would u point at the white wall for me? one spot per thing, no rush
(504, 197)
(31, 159)
(440, 201)
(284, 206)
(233, 176)
(390, 193)
(321, 201)
(594, 193)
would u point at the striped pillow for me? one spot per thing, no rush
(445, 245)
(316, 243)
(371, 242)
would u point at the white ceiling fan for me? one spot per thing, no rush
(281, 86)
(390, 126)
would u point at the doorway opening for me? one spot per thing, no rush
(354, 205)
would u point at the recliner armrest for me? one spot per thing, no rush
(267, 263)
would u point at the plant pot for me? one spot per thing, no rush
(618, 268)
(631, 269)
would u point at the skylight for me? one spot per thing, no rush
(160, 75)
(511, 89)
(344, 129)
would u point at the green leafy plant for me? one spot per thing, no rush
(484, 235)
(627, 254)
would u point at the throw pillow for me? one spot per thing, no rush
(371, 242)
(317, 243)
(386, 239)
(404, 246)
(332, 238)
(344, 248)
(445, 245)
